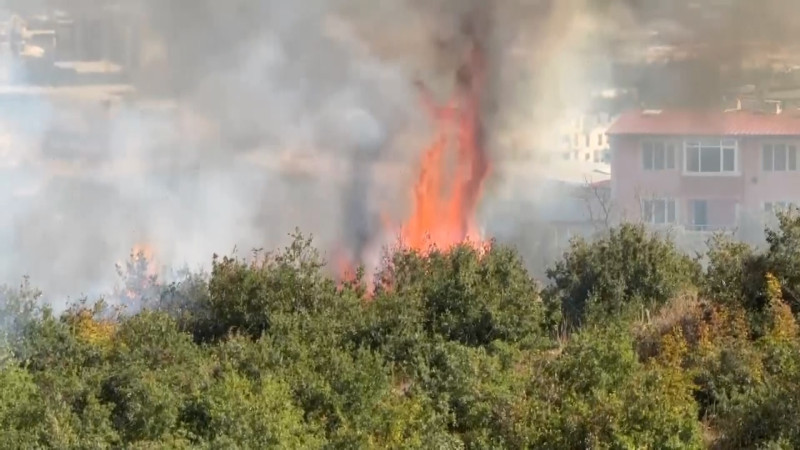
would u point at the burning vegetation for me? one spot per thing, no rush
(139, 274)
(453, 167)
(445, 202)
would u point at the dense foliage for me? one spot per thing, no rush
(630, 344)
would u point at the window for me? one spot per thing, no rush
(778, 157)
(588, 140)
(699, 210)
(711, 156)
(658, 211)
(658, 155)
(599, 139)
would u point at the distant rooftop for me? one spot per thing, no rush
(89, 67)
(82, 91)
(706, 123)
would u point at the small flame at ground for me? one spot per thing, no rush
(140, 272)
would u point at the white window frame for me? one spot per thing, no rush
(790, 147)
(724, 144)
(667, 146)
(666, 201)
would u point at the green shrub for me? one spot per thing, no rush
(627, 266)
(468, 295)
(606, 398)
(235, 412)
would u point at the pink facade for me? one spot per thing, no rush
(707, 178)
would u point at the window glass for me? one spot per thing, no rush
(647, 212)
(658, 156)
(729, 160)
(647, 155)
(766, 157)
(779, 161)
(710, 159)
(659, 213)
(670, 156)
(693, 159)
(710, 156)
(792, 151)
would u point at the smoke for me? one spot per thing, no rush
(260, 91)
(273, 115)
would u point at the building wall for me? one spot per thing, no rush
(727, 196)
(584, 138)
(762, 186)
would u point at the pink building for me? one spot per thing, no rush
(704, 171)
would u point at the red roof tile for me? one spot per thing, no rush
(700, 123)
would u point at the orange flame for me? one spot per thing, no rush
(145, 254)
(140, 272)
(444, 202)
(443, 213)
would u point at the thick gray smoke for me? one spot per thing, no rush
(254, 117)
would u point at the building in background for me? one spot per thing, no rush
(541, 207)
(584, 138)
(705, 171)
(88, 43)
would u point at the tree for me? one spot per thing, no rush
(628, 266)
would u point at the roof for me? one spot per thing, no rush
(706, 123)
(81, 91)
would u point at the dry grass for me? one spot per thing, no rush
(686, 312)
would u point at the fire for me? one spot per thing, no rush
(140, 272)
(444, 205)
(143, 255)
(453, 170)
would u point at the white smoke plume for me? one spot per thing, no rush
(237, 99)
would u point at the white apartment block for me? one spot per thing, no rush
(583, 138)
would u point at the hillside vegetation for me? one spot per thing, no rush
(629, 345)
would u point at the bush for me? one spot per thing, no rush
(599, 395)
(235, 412)
(244, 296)
(628, 266)
(466, 295)
(735, 274)
(450, 351)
